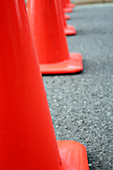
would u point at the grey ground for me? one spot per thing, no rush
(81, 105)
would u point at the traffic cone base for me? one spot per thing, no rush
(73, 155)
(67, 16)
(70, 5)
(68, 10)
(72, 65)
(70, 30)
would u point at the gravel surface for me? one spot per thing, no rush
(81, 105)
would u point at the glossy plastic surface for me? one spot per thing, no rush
(27, 138)
(46, 21)
(73, 155)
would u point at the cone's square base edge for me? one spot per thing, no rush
(73, 65)
(67, 17)
(70, 30)
(73, 155)
(68, 10)
(70, 5)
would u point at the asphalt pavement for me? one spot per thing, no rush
(81, 104)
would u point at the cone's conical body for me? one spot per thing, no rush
(47, 26)
(27, 139)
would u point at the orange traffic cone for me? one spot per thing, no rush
(68, 29)
(27, 138)
(50, 40)
(69, 4)
(66, 8)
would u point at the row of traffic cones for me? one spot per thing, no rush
(47, 25)
(27, 138)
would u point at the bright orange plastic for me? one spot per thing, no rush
(27, 138)
(50, 40)
(71, 65)
(69, 4)
(68, 29)
(67, 16)
(66, 8)
(73, 155)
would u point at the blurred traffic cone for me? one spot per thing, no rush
(68, 29)
(67, 16)
(69, 4)
(50, 40)
(27, 138)
(65, 8)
